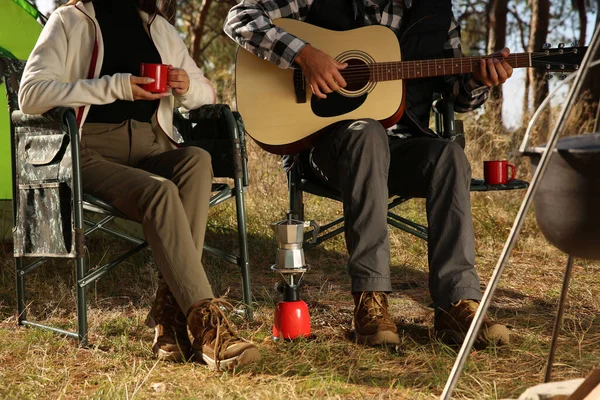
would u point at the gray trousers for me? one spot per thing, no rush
(167, 191)
(366, 165)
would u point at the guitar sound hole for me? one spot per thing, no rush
(356, 74)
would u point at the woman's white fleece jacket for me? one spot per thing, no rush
(57, 70)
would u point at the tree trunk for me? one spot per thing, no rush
(497, 25)
(580, 4)
(198, 31)
(525, 113)
(497, 41)
(540, 18)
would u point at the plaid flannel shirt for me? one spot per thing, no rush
(249, 23)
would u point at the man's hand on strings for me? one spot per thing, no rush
(495, 70)
(320, 70)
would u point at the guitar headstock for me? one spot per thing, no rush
(559, 59)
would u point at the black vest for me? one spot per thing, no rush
(423, 33)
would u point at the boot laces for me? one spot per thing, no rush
(468, 308)
(376, 307)
(463, 312)
(216, 327)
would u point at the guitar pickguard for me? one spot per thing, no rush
(335, 104)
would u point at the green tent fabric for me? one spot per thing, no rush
(19, 30)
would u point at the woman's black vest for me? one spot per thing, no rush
(423, 33)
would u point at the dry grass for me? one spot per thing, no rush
(119, 364)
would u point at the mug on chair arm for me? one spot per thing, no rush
(496, 172)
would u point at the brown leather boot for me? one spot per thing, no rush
(452, 323)
(372, 322)
(215, 341)
(171, 340)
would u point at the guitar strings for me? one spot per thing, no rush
(384, 67)
(444, 63)
(472, 59)
(397, 69)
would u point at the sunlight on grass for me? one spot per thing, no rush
(119, 364)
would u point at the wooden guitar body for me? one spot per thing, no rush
(285, 118)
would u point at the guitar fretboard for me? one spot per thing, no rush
(387, 71)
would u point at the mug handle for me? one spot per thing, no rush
(514, 172)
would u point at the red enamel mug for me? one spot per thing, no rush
(496, 172)
(159, 73)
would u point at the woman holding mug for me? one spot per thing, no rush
(88, 57)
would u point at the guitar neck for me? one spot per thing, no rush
(388, 71)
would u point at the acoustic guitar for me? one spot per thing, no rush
(283, 116)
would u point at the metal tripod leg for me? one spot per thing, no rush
(559, 316)
(560, 125)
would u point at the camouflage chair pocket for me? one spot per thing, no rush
(44, 225)
(42, 156)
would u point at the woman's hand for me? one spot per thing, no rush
(178, 80)
(141, 94)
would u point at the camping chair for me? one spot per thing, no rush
(301, 180)
(49, 204)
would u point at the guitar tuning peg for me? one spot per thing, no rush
(562, 76)
(548, 76)
(561, 45)
(546, 46)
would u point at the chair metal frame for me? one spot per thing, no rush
(83, 203)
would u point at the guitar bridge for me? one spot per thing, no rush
(299, 86)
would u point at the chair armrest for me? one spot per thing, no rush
(208, 112)
(210, 124)
(54, 118)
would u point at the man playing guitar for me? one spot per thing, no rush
(367, 162)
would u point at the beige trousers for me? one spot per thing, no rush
(167, 191)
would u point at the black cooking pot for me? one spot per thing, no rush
(567, 203)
